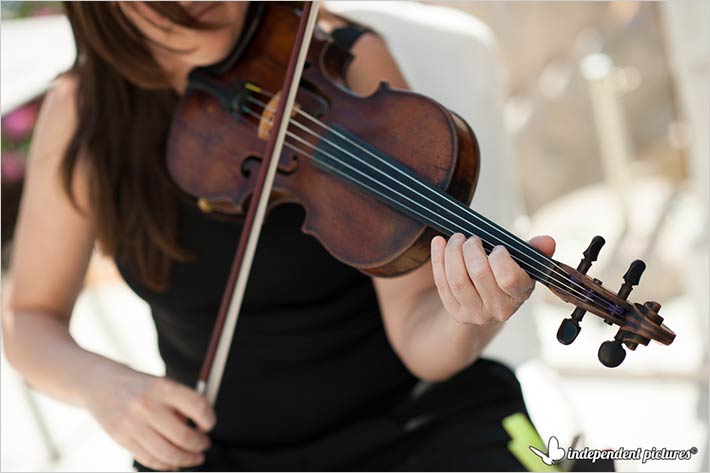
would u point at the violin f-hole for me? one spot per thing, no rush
(287, 165)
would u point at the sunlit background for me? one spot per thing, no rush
(593, 120)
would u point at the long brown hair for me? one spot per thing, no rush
(124, 105)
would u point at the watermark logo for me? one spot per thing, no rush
(555, 454)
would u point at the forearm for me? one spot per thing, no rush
(39, 346)
(436, 346)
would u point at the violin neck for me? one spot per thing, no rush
(397, 186)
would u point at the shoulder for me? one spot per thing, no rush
(57, 122)
(64, 88)
(60, 104)
(56, 126)
(372, 64)
(372, 61)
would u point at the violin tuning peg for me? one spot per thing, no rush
(568, 331)
(632, 278)
(569, 328)
(592, 251)
(612, 352)
(633, 274)
(591, 254)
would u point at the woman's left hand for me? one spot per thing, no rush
(481, 289)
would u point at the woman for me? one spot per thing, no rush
(323, 371)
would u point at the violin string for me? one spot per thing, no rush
(571, 291)
(455, 228)
(561, 285)
(554, 266)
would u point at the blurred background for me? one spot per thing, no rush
(592, 119)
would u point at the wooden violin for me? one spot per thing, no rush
(378, 176)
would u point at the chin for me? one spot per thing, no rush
(213, 50)
(215, 45)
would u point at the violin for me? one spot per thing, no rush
(378, 176)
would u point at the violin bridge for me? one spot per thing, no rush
(268, 115)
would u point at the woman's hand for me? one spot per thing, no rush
(481, 289)
(147, 415)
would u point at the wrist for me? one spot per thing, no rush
(97, 378)
(470, 339)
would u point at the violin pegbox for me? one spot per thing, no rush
(638, 324)
(569, 328)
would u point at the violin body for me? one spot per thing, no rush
(214, 151)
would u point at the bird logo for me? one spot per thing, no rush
(554, 452)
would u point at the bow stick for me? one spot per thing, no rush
(210, 377)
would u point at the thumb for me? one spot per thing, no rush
(544, 243)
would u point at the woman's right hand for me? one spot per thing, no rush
(148, 416)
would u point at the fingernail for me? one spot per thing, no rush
(497, 248)
(457, 237)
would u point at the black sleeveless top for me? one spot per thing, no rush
(310, 354)
(310, 351)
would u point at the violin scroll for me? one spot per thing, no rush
(642, 322)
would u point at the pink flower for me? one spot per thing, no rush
(12, 166)
(18, 124)
(46, 10)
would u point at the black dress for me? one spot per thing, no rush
(312, 382)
